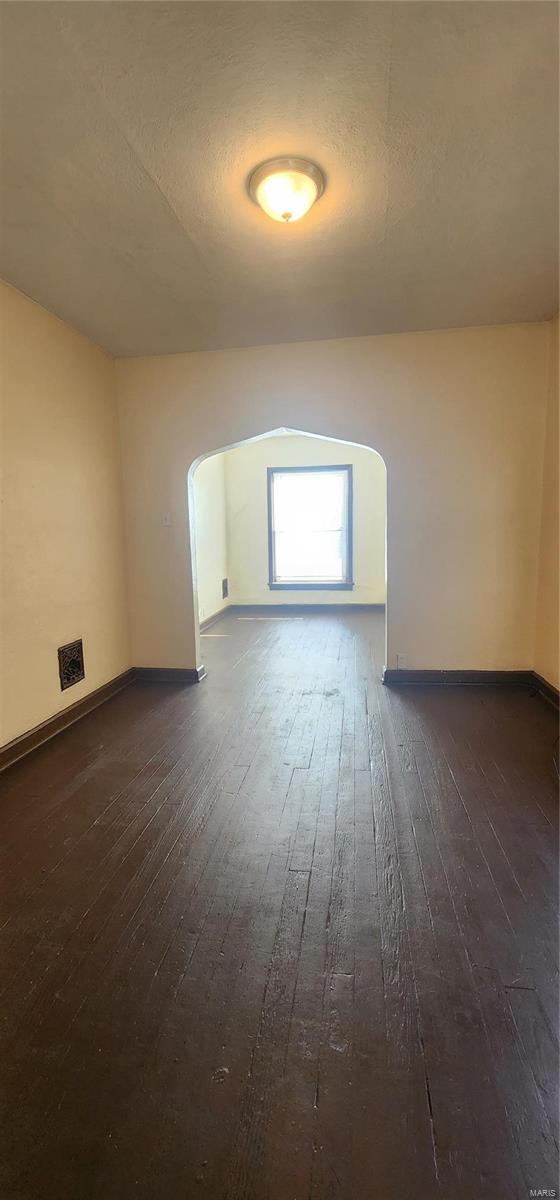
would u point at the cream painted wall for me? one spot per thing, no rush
(62, 531)
(548, 613)
(247, 524)
(208, 509)
(458, 417)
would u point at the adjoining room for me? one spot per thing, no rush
(279, 637)
(289, 520)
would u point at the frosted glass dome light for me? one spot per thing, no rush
(286, 188)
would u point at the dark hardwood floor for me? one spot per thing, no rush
(287, 935)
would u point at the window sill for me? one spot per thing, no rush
(311, 587)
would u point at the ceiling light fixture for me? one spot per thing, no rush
(286, 188)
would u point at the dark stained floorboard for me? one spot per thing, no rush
(287, 935)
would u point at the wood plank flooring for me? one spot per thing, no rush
(286, 935)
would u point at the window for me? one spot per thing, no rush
(310, 527)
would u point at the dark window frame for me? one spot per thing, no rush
(345, 585)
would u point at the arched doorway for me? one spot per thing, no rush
(230, 497)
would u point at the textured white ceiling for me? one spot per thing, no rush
(129, 130)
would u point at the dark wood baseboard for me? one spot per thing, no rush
(178, 675)
(395, 678)
(275, 610)
(204, 625)
(27, 742)
(546, 690)
(525, 679)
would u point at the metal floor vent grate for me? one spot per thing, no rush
(71, 664)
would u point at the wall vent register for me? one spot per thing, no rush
(310, 528)
(71, 664)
